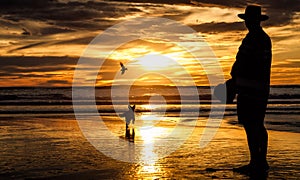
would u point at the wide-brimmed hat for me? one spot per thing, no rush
(253, 12)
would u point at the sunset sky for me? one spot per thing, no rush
(41, 41)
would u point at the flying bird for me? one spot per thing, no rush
(123, 68)
(25, 32)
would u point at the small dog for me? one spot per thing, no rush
(129, 115)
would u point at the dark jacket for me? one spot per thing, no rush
(252, 68)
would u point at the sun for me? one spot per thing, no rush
(155, 62)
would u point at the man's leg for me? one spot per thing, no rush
(257, 137)
(127, 131)
(253, 139)
(263, 147)
(243, 109)
(262, 134)
(251, 113)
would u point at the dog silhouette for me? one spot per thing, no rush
(129, 118)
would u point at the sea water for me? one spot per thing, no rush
(163, 100)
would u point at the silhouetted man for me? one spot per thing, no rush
(251, 73)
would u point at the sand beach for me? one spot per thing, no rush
(53, 147)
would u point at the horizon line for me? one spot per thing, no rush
(27, 87)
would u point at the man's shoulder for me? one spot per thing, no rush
(265, 35)
(263, 38)
(267, 40)
(261, 34)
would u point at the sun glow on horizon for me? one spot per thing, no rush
(155, 62)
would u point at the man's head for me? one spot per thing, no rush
(253, 17)
(252, 24)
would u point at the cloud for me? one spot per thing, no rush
(220, 3)
(27, 71)
(82, 41)
(158, 1)
(27, 46)
(65, 82)
(35, 64)
(281, 12)
(217, 27)
(54, 17)
(25, 3)
(41, 21)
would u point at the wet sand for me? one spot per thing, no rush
(54, 148)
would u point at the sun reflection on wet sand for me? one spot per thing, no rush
(148, 121)
(149, 134)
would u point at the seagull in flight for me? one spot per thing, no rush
(123, 68)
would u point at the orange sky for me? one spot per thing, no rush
(42, 42)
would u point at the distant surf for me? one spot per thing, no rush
(36, 100)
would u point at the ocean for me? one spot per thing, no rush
(57, 101)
